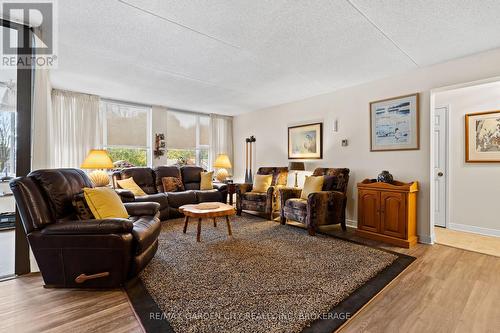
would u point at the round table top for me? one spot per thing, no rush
(194, 211)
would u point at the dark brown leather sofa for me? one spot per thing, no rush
(66, 248)
(325, 207)
(150, 180)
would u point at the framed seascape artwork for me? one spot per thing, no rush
(394, 124)
(305, 141)
(482, 137)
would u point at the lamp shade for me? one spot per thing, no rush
(222, 161)
(97, 159)
(296, 166)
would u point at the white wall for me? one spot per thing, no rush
(473, 187)
(350, 107)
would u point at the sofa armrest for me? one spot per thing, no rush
(125, 195)
(243, 188)
(142, 208)
(89, 227)
(288, 193)
(220, 186)
(325, 205)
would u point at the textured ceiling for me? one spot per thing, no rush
(234, 56)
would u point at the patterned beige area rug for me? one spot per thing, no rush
(265, 278)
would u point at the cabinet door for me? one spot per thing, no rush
(393, 214)
(368, 210)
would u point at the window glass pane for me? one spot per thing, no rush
(181, 157)
(203, 159)
(127, 125)
(181, 130)
(204, 130)
(134, 156)
(8, 108)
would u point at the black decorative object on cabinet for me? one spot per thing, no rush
(385, 177)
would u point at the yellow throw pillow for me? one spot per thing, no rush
(206, 181)
(104, 203)
(262, 183)
(130, 184)
(312, 184)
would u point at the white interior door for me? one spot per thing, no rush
(440, 175)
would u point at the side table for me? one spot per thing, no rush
(231, 190)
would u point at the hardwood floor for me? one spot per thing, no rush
(444, 290)
(468, 241)
(25, 306)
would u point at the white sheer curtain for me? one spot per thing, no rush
(75, 127)
(42, 106)
(221, 138)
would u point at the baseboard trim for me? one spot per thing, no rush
(426, 239)
(351, 223)
(474, 229)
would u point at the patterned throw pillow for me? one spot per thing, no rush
(83, 211)
(172, 184)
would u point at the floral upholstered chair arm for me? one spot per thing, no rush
(276, 198)
(243, 188)
(325, 206)
(288, 193)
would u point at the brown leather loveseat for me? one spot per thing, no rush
(69, 251)
(150, 181)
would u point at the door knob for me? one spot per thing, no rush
(440, 174)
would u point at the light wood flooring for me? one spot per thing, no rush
(445, 290)
(468, 241)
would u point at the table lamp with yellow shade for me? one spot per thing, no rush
(98, 159)
(222, 163)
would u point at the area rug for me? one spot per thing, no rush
(265, 278)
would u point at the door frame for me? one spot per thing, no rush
(432, 109)
(23, 140)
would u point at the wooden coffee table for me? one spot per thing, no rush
(193, 211)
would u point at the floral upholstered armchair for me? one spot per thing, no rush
(261, 202)
(325, 207)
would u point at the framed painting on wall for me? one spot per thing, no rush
(482, 137)
(305, 141)
(394, 124)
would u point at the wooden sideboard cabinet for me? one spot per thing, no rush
(388, 212)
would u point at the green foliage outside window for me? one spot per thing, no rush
(137, 157)
(181, 156)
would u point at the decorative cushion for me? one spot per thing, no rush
(206, 181)
(312, 184)
(83, 211)
(104, 203)
(262, 183)
(130, 184)
(172, 184)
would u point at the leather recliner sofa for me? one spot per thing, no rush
(97, 253)
(150, 181)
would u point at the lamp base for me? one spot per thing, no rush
(100, 178)
(221, 175)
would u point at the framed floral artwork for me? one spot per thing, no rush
(305, 141)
